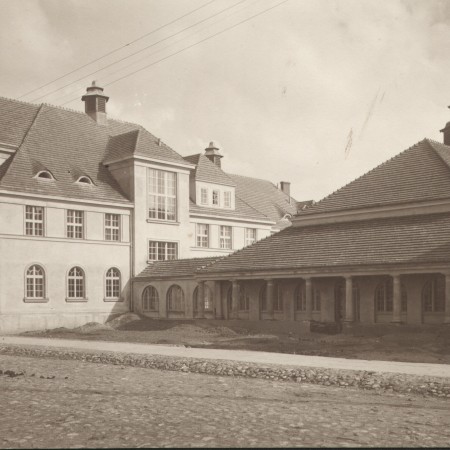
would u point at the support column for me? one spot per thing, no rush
(397, 299)
(269, 298)
(308, 298)
(349, 303)
(201, 299)
(218, 314)
(235, 299)
(447, 298)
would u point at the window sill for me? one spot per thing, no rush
(165, 222)
(76, 300)
(35, 300)
(113, 299)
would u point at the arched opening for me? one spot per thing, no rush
(76, 284)
(112, 283)
(384, 300)
(207, 300)
(150, 299)
(35, 283)
(175, 299)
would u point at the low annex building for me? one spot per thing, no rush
(87, 202)
(375, 251)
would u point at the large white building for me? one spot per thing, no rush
(87, 203)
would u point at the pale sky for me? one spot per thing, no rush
(280, 93)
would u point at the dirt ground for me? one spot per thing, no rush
(381, 342)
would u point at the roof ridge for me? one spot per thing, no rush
(364, 174)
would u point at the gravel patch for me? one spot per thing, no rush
(368, 380)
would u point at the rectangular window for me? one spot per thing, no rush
(225, 237)
(227, 199)
(250, 236)
(216, 197)
(75, 223)
(34, 221)
(202, 234)
(112, 227)
(204, 196)
(161, 251)
(162, 195)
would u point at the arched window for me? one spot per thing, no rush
(175, 298)
(150, 299)
(76, 286)
(208, 303)
(244, 299)
(300, 297)
(278, 304)
(384, 295)
(112, 283)
(35, 280)
(44, 175)
(433, 295)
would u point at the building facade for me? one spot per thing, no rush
(375, 251)
(87, 203)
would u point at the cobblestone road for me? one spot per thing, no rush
(74, 404)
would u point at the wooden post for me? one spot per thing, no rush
(349, 301)
(397, 299)
(218, 300)
(235, 300)
(447, 298)
(201, 299)
(269, 298)
(308, 298)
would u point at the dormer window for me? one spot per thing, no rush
(84, 180)
(44, 175)
(227, 199)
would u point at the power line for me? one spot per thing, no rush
(188, 47)
(139, 51)
(118, 48)
(65, 96)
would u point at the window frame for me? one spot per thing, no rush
(33, 221)
(166, 244)
(84, 297)
(111, 228)
(201, 236)
(250, 241)
(204, 196)
(74, 224)
(215, 196)
(437, 302)
(227, 199)
(35, 299)
(149, 300)
(111, 279)
(162, 181)
(224, 239)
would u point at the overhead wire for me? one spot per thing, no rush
(108, 75)
(118, 49)
(188, 47)
(137, 52)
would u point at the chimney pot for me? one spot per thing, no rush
(285, 186)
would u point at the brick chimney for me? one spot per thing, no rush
(446, 131)
(95, 104)
(212, 153)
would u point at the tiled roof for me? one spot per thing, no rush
(69, 144)
(419, 173)
(176, 267)
(207, 171)
(140, 142)
(15, 120)
(264, 196)
(242, 210)
(400, 240)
